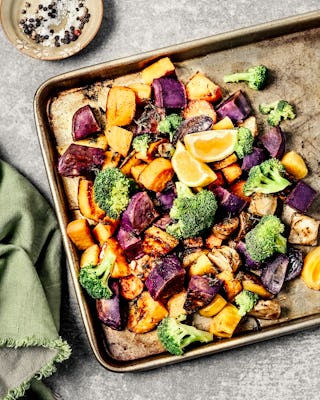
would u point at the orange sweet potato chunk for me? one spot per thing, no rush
(80, 234)
(119, 139)
(156, 70)
(157, 174)
(121, 106)
(200, 87)
(88, 207)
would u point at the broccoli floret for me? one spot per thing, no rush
(170, 124)
(245, 301)
(175, 336)
(256, 77)
(94, 278)
(245, 141)
(141, 143)
(193, 213)
(266, 177)
(265, 238)
(278, 111)
(112, 190)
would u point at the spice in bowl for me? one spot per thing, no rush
(54, 23)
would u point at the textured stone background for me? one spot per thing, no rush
(286, 368)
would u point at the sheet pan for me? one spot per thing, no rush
(291, 50)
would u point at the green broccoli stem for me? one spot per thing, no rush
(281, 244)
(105, 266)
(239, 76)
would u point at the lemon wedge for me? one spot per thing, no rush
(213, 145)
(189, 170)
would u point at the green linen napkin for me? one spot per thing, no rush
(30, 284)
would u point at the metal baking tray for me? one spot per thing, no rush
(290, 49)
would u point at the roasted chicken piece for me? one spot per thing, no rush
(225, 258)
(266, 309)
(304, 230)
(262, 204)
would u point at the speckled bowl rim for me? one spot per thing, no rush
(10, 16)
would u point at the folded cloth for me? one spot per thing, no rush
(30, 288)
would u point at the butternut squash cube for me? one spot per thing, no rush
(112, 159)
(121, 106)
(156, 174)
(142, 92)
(231, 284)
(121, 267)
(214, 307)
(232, 172)
(131, 287)
(252, 283)
(90, 256)
(103, 231)
(202, 266)
(80, 234)
(224, 123)
(160, 68)
(136, 171)
(145, 314)
(119, 139)
(175, 304)
(225, 322)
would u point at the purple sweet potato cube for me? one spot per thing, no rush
(169, 93)
(301, 197)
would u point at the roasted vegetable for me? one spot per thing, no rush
(119, 139)
(130, 243)
(175, 336)
(112, 190)
(84, 123)
(121, 106)
(86, 202)
(166, 278)
(278, 111)
(295, 164)
(200, 292)
(145, 313)
(268, 177)
(230, 203)
(157, 242)
(245, 301)
(266, 238)
(311, 269)
(256, 77)
(191, 125)
(274, 140)
(130, 287)
(80, 234)
(139, 214)
(295, 263)
(301, 197)
(95, 278)
(244, 144)
(194, 213)
(266, 309)
(112, 311)
(157, 174)
(236, 107)
(80, 160)
(255, 158)
(263, 204)
(225, 322)
(159, 68)
(274, 272)
(200, 87)
(214, 307)
(169, 93)
(196, 108)
(170, 124)
(225, 258)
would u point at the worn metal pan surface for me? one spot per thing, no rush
(291, 50)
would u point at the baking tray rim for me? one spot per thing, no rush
(64, 82)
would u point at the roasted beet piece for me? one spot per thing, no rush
(230, 203)
(169, 93)
(130, 243)
(192, 125)
(274, 140)
(112, 312)
(236, 107)
(166, 278)
(295, 263)
(255, 158)
(274, 272)
(139, 214)
(80, 160)
(301, 197)
(201, 290)
(84, 123)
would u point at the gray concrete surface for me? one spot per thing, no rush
(285, 368)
